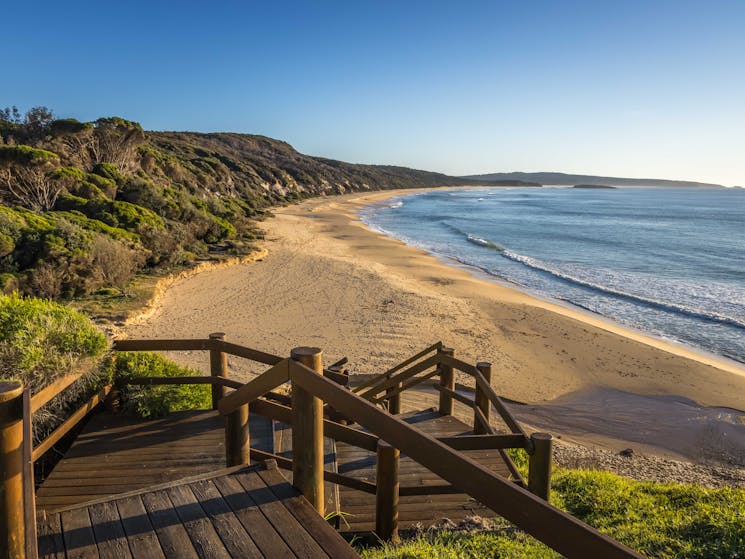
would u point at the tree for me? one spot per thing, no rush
(26, 173)
(36, 122)
(74, 135)
(115, 140)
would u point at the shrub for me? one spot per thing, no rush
(41, 340)
(108, 171)
(157, 401)
(8, 283)
(113, 262)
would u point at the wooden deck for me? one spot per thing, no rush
(116, 453)
(241, 513)
(359, 507)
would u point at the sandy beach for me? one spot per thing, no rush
(329, 281)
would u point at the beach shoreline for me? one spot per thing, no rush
(330, 281)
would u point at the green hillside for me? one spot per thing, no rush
(86, 205)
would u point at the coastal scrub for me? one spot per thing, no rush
(151, 402)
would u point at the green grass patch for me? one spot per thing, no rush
(151, 402)
(660, 520)
(502, 542)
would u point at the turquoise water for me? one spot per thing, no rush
(670, 262)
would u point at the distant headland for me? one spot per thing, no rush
(562, 179)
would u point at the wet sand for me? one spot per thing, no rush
(330, 282)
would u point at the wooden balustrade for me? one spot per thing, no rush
(447, 382)
(386, 494)
(218, 368)
(307, 431)
(12, 515)
(539, 465)
(482, 409)
(312, 386)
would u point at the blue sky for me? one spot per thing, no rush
(630, 88)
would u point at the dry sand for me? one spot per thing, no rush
(330, 282)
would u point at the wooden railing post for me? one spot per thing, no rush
(539, 465)
(447, 381)
(394, 402)
(237, 439)
(12, 532)
(218, 368)
(386, 494)
(307, 432)
(482, 400)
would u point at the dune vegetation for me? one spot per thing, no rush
(84, 206)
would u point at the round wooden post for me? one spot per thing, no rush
(307, 433)
(218, 368)
(12, 533)
(539, 465)
(237, 438)
(386, 494)
(482, 400)
(394, 402)
(447, 381)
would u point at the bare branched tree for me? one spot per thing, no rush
(25, 172)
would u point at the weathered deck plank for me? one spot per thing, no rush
(233, 513)
(116, 454)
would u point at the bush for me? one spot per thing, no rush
(41, 340)
(113, 262)
(151, 402)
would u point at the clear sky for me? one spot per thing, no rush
(627, 88)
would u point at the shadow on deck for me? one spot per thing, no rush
(241, 512)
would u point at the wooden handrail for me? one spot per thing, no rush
(331, 429)
(43, 397)
(384, 376)
(496, 401)
(400, 377)
(484, 442)
(245, 352)
(455, 395)
(555, 528)
(331, 477)
(256, 388)
(412, 382)
(161, 345)
(147, 381)
(197, 344)
(69, 423)
(456, 363)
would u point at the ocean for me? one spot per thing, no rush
(669, 262)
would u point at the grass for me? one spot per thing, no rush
(660, 520)
(150, 402)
